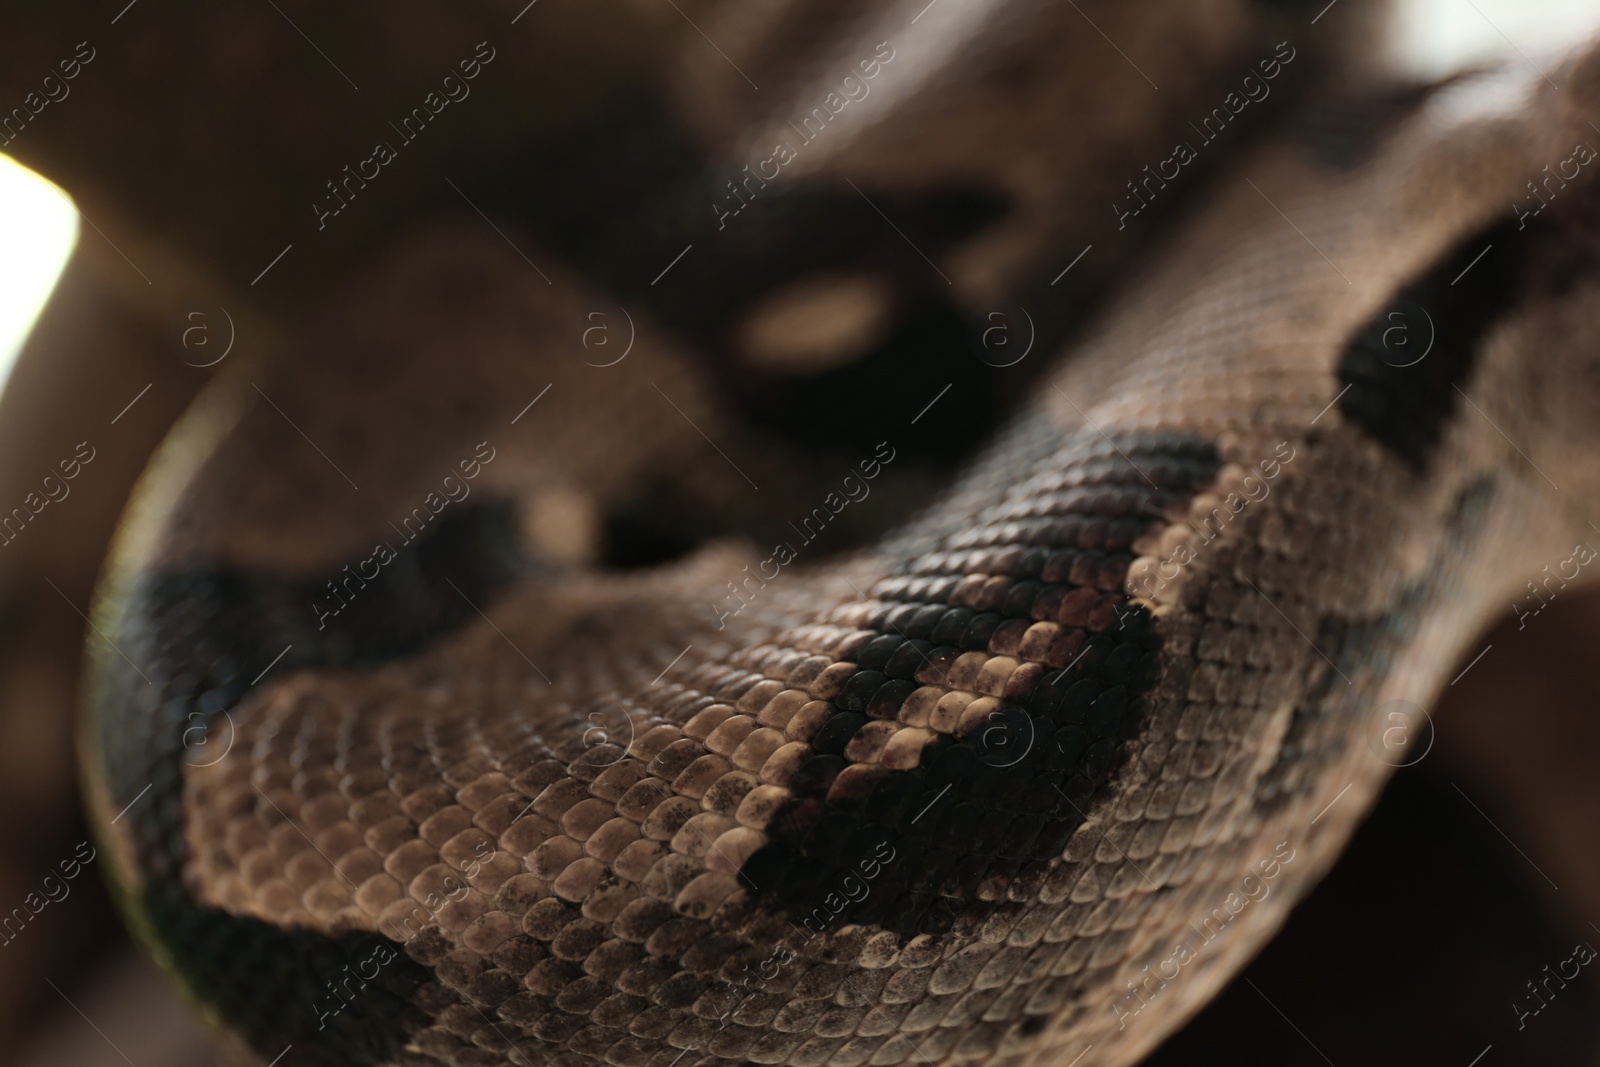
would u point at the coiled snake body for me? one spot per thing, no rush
(1025, 782)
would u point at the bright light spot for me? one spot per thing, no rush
(1433, 39)
(38, 227)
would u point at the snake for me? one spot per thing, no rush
(387, 768)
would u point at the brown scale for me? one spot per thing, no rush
(610, 917)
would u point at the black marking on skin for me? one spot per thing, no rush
(201, 636)
(642, 535)
(1367, 648)
(276, 986)
(624, 195)
(1405, 407)
(842, 408)
(979, 810)
(630, 191)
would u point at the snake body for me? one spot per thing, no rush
(388, 776)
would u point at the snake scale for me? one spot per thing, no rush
(389, 772)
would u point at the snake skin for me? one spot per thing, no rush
(389, 775)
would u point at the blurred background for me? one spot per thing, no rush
(1477, 870)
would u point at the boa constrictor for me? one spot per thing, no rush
(390, 773)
